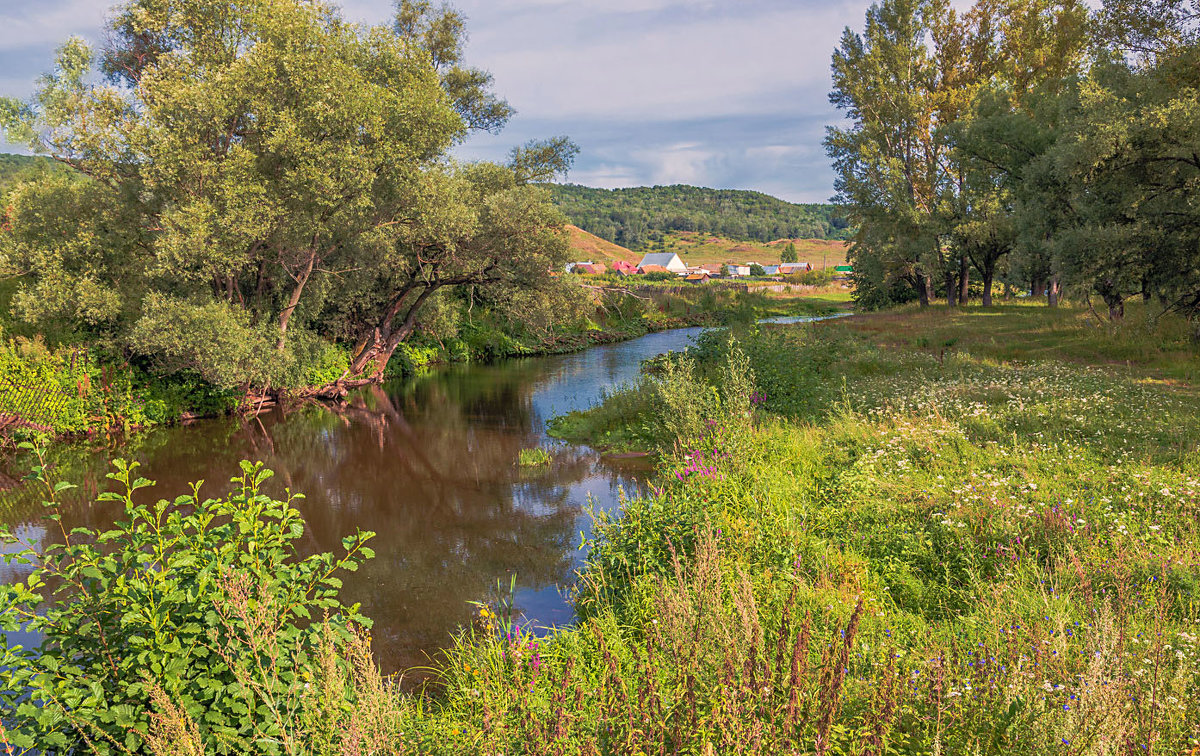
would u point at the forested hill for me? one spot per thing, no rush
(635, 217)
(12, 166)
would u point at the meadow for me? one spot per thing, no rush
(863, 546)
(885, 534)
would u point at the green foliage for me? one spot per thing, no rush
(633, 217)
(211, 338)
(788, 255)
(959, 554)
(202, 602)
(206, 250)
(535, 457)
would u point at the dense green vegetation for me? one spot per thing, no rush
(13, 167)
(1036, 144)
(303, 226)
(636, 217)
(855, 546)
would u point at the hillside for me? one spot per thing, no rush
(592, 248)
(11, 166)
(636, 218)
(697, 249)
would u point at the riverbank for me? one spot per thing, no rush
(68, 392)
(865, 545)
(854, 545)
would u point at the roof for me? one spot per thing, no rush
(594, 268)
(713, 267)
(665, 259)
(697, 277)
(652, 269)
(770, 270)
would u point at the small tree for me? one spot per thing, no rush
(201, 602)
(757, 270)
(789, 253)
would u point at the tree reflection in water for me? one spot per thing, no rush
(429, 464)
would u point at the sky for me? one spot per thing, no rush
(730, 94)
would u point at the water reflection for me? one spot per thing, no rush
(429, 464)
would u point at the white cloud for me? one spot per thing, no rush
(47, 22)
(655, 91)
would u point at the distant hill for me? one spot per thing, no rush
(12, 166)
(698, 249)
(591, 248)
(636, 218)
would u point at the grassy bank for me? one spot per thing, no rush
(871, 546)
(863, 540)
(72, 390)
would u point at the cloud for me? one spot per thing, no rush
(727, 94)
(45, 24)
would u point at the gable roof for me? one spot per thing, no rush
(668, 260)
(652, 269)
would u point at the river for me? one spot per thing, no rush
(429, 464)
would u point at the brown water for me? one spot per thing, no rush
(430, 464)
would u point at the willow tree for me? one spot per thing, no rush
(245, 162)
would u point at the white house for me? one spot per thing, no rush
(668, 260)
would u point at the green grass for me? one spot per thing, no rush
(889, 534)
(913, 543)
(535, 457)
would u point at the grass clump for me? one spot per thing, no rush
(535, 457)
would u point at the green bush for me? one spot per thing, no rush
(203, 604)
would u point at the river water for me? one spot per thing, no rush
(429, 464)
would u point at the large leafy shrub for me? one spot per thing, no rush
(201, 603)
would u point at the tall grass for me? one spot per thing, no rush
(850, 549)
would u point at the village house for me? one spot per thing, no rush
(697, 277)
(624, 267)
(589, 267)
(666, 260)
(713, 269)
(787, 269)
(644, 269)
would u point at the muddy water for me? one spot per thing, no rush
(430, 465)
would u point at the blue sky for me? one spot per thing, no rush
(729, 94)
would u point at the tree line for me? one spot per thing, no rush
(635, 217)
(1036, 144)
(245, 182)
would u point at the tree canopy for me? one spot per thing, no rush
(262, 173)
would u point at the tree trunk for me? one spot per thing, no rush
(384, 355)
(950, 289)
(1007, 291)
(964, 280)
(1037, 287)
(1116, 310)
(1054, 292)
(989, 273)
(374, 342)
(1112, 297)
(924, 284)
(286, 316)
